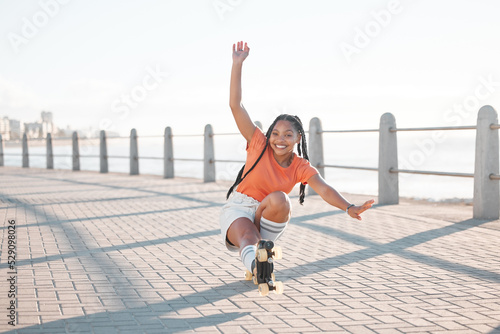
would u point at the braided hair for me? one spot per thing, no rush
(301, 148)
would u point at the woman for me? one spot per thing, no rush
(259, 208)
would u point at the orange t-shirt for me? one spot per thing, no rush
(268, 175)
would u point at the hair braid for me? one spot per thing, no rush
(302, 152)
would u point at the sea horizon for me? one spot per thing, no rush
(415, 152)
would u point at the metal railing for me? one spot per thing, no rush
(168, 158)
(486, 189)
(444, 128)
(422, 172)
(486, 173)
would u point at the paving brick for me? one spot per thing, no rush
(113, 253)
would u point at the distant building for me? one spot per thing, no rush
(47, 117)
(15, 129)
(34, 130)
(5, 128)
(47, 123)
(41, 128)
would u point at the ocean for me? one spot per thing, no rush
(452, 153)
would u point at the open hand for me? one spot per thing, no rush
(355, 211)
(240, 52)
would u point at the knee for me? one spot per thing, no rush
(277, 207)
(280, 201)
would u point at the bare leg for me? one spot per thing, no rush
(275, 207)
(242, 233)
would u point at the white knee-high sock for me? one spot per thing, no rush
(270, 230)
(248, 256)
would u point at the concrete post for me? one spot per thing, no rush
(388, 183)
(103, 152)
(486, 191)
(76, 152)
(50, 152)
(26, 157)
(1, 152)
(315, 148)
(208, 155)
(168, 155)
(134, 153)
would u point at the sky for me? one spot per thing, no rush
(117, 65)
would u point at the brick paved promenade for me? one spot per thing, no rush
(110, 253)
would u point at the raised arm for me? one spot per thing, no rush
(332, 197)
(243, 121)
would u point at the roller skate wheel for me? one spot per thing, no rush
(278, 253)
(269, 245)
(273, 278)
(278, 288)
(262, 255)
(263, 289)
(248, 276)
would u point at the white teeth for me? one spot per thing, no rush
(280, 146)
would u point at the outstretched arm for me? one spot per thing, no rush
(332, 197)
(243, 121)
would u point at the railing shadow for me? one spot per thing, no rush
(398, 247)
(159, 312)
(153, 317)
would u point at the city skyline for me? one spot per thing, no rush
(13, 129)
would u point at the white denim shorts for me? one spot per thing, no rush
(238, 205)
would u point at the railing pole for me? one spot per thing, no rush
(1, 151)
(103, 152)
(208, 155)
(388, 183)
(50, 152)
(134, 153)
(486, 191)
(76, 152)
(168, 155)
(315, 148)
(26, 157)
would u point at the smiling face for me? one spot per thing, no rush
(283, 138)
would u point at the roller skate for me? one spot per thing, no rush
(263, 268)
